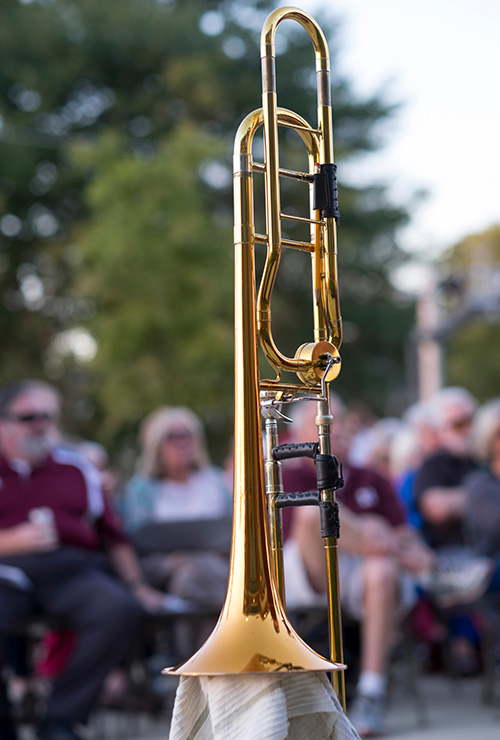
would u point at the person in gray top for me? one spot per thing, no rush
(482, 487)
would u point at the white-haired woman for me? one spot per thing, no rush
(176, 482)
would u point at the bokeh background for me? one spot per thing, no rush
(117, 122)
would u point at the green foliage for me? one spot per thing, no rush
(117, 121)
(470, 300)
(155, 264)
(476, 340)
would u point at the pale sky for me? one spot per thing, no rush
(441, 58)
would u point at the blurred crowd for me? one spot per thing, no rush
(420, 533)
(97, 553)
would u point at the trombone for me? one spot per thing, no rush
(253, 633)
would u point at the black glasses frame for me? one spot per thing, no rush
(31, 418)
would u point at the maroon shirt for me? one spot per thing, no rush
(69, 485)
(365, 491)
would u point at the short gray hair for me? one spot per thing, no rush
(444, 398)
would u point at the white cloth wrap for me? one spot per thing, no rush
(300, 706)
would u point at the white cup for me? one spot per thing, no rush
(42, 515)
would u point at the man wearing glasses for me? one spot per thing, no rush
(59, 545)
(440, 498)
(437, 488)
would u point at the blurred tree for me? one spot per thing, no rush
(470, 296)
(158, 268)
(116, 134)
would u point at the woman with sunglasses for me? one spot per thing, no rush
(176, 484)
(175, 479)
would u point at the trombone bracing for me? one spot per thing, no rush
(253, 633)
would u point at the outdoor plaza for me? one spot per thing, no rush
(447, 709)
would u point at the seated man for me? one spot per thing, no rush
(438, 488)
(56, 528)
(441, 500)
(377, 551)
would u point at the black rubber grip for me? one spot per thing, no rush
(301, 498)
(330, 519)
(289, 451)
(325, 192)
(328, 472)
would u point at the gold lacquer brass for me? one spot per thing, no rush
(317, 355)
(253, 634)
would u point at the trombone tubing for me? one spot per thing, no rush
(319, 143)
(244, 226)
(269, 105)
